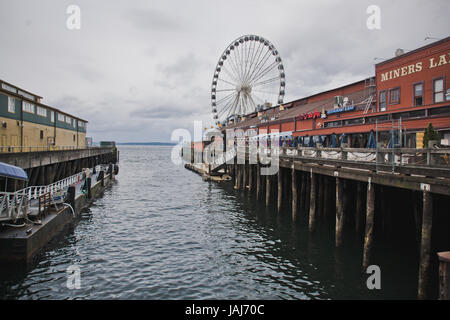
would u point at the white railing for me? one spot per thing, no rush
(15, 149)
(14, 205)
(34, 192)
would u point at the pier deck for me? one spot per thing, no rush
(401, 194)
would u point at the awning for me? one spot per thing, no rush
(9, 171)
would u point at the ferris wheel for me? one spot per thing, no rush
(249, 76)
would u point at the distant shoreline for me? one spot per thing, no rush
(146, 144)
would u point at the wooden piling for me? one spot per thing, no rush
(244, 176)
(250, 177)
(339, 211)
(444, 275)
(312, 204)
(88, 188)
(370, 220)
(258, 180)
(71, 197)
(268, 189)
(280, 189)
(425, 248)
(294, 194)
(326, 201)
(359, 209)
(320, 200)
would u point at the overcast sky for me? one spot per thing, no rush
(136, 70)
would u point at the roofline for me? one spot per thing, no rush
(413, 51)
(35, 102)
(330, 90)
(12, 85)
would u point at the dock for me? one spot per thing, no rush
(371, 193)
(42, 216)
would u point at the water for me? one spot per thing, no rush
(161, 232)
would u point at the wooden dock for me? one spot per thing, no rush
(384, 193)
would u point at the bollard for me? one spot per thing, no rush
(294, 194)
(312, 204)
(339, 212)
(425, 246)
(101, 177)
(71, 197)
(444, 275)
(88, 187)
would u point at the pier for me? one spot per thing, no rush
(401, 195)
(48, 166)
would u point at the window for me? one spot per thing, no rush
(11, 105)
(382, 101)
(28, 107)
(74, 138)
(42, 135)
(60, 117)
(73, 123)
(418, 94)
(438, 90)
(354, 121)
(394, 96)
(379, 118)
(41, 111)
(52, 116)
(439, 111)
(68, 120)
(332, 124)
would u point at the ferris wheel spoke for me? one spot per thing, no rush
(266, 71)
(238, 63)
(226, 107)
(235, 68)
(235, 103)
(223, 90)
(251, 59)
(247, 47)
(262, 83)
(255, 59)
(259, 65)
(264, 91)
(230, 75)
(232, 84)
(258, 98)
(252, 102)
(224, 98)
(245, 77)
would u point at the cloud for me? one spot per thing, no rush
(154, 20)
(138, 70)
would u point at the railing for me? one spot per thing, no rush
(395, 156)
(14, 205)
(15, 149)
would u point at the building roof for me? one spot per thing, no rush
(300, 106)
(406, 54)
(34, 101)
(10, 171)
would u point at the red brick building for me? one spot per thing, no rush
(407, 93)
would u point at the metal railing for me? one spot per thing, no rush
(16, 149)
(14, 205)
(393, 157)
(396, 156)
